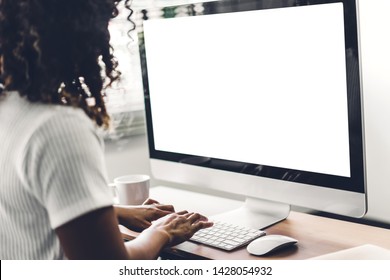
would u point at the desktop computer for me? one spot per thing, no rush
(257, 98)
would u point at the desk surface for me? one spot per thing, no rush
(316, 235)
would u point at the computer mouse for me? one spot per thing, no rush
(269, 243)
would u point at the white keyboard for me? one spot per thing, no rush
(226, 236)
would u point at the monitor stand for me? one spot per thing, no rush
(255, 213)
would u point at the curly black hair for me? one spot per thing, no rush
(58, 52)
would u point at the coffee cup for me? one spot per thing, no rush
(131, 189)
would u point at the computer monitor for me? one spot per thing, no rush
(257, 98)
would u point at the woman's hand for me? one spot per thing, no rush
(140, 217)
(179, 227)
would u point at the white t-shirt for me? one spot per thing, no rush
(52, 170)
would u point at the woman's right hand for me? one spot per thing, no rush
(180, 226)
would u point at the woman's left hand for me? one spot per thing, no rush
(140, 217)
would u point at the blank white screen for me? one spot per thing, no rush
(265, 87)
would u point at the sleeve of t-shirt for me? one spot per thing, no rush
(66, 167)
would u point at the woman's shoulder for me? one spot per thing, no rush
(34, 118)
(40, 113)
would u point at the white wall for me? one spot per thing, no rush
(130, 156)
(375, 51)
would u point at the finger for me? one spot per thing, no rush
(203, 218)
(206, 224)
(184, 212)
(188, 214)
(160, 213)
(201, 225)
(194, 217)
(150, 201)
(164, 207)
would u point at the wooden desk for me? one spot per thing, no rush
(316, 236)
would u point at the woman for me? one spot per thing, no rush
(55, 64)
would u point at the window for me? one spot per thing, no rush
(125, 100)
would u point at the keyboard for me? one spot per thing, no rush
(226, 236)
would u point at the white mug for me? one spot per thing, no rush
(131, 189)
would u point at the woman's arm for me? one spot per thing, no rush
(96, 235)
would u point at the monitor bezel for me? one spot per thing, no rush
(354, 184)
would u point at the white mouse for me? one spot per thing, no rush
(269, 243)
